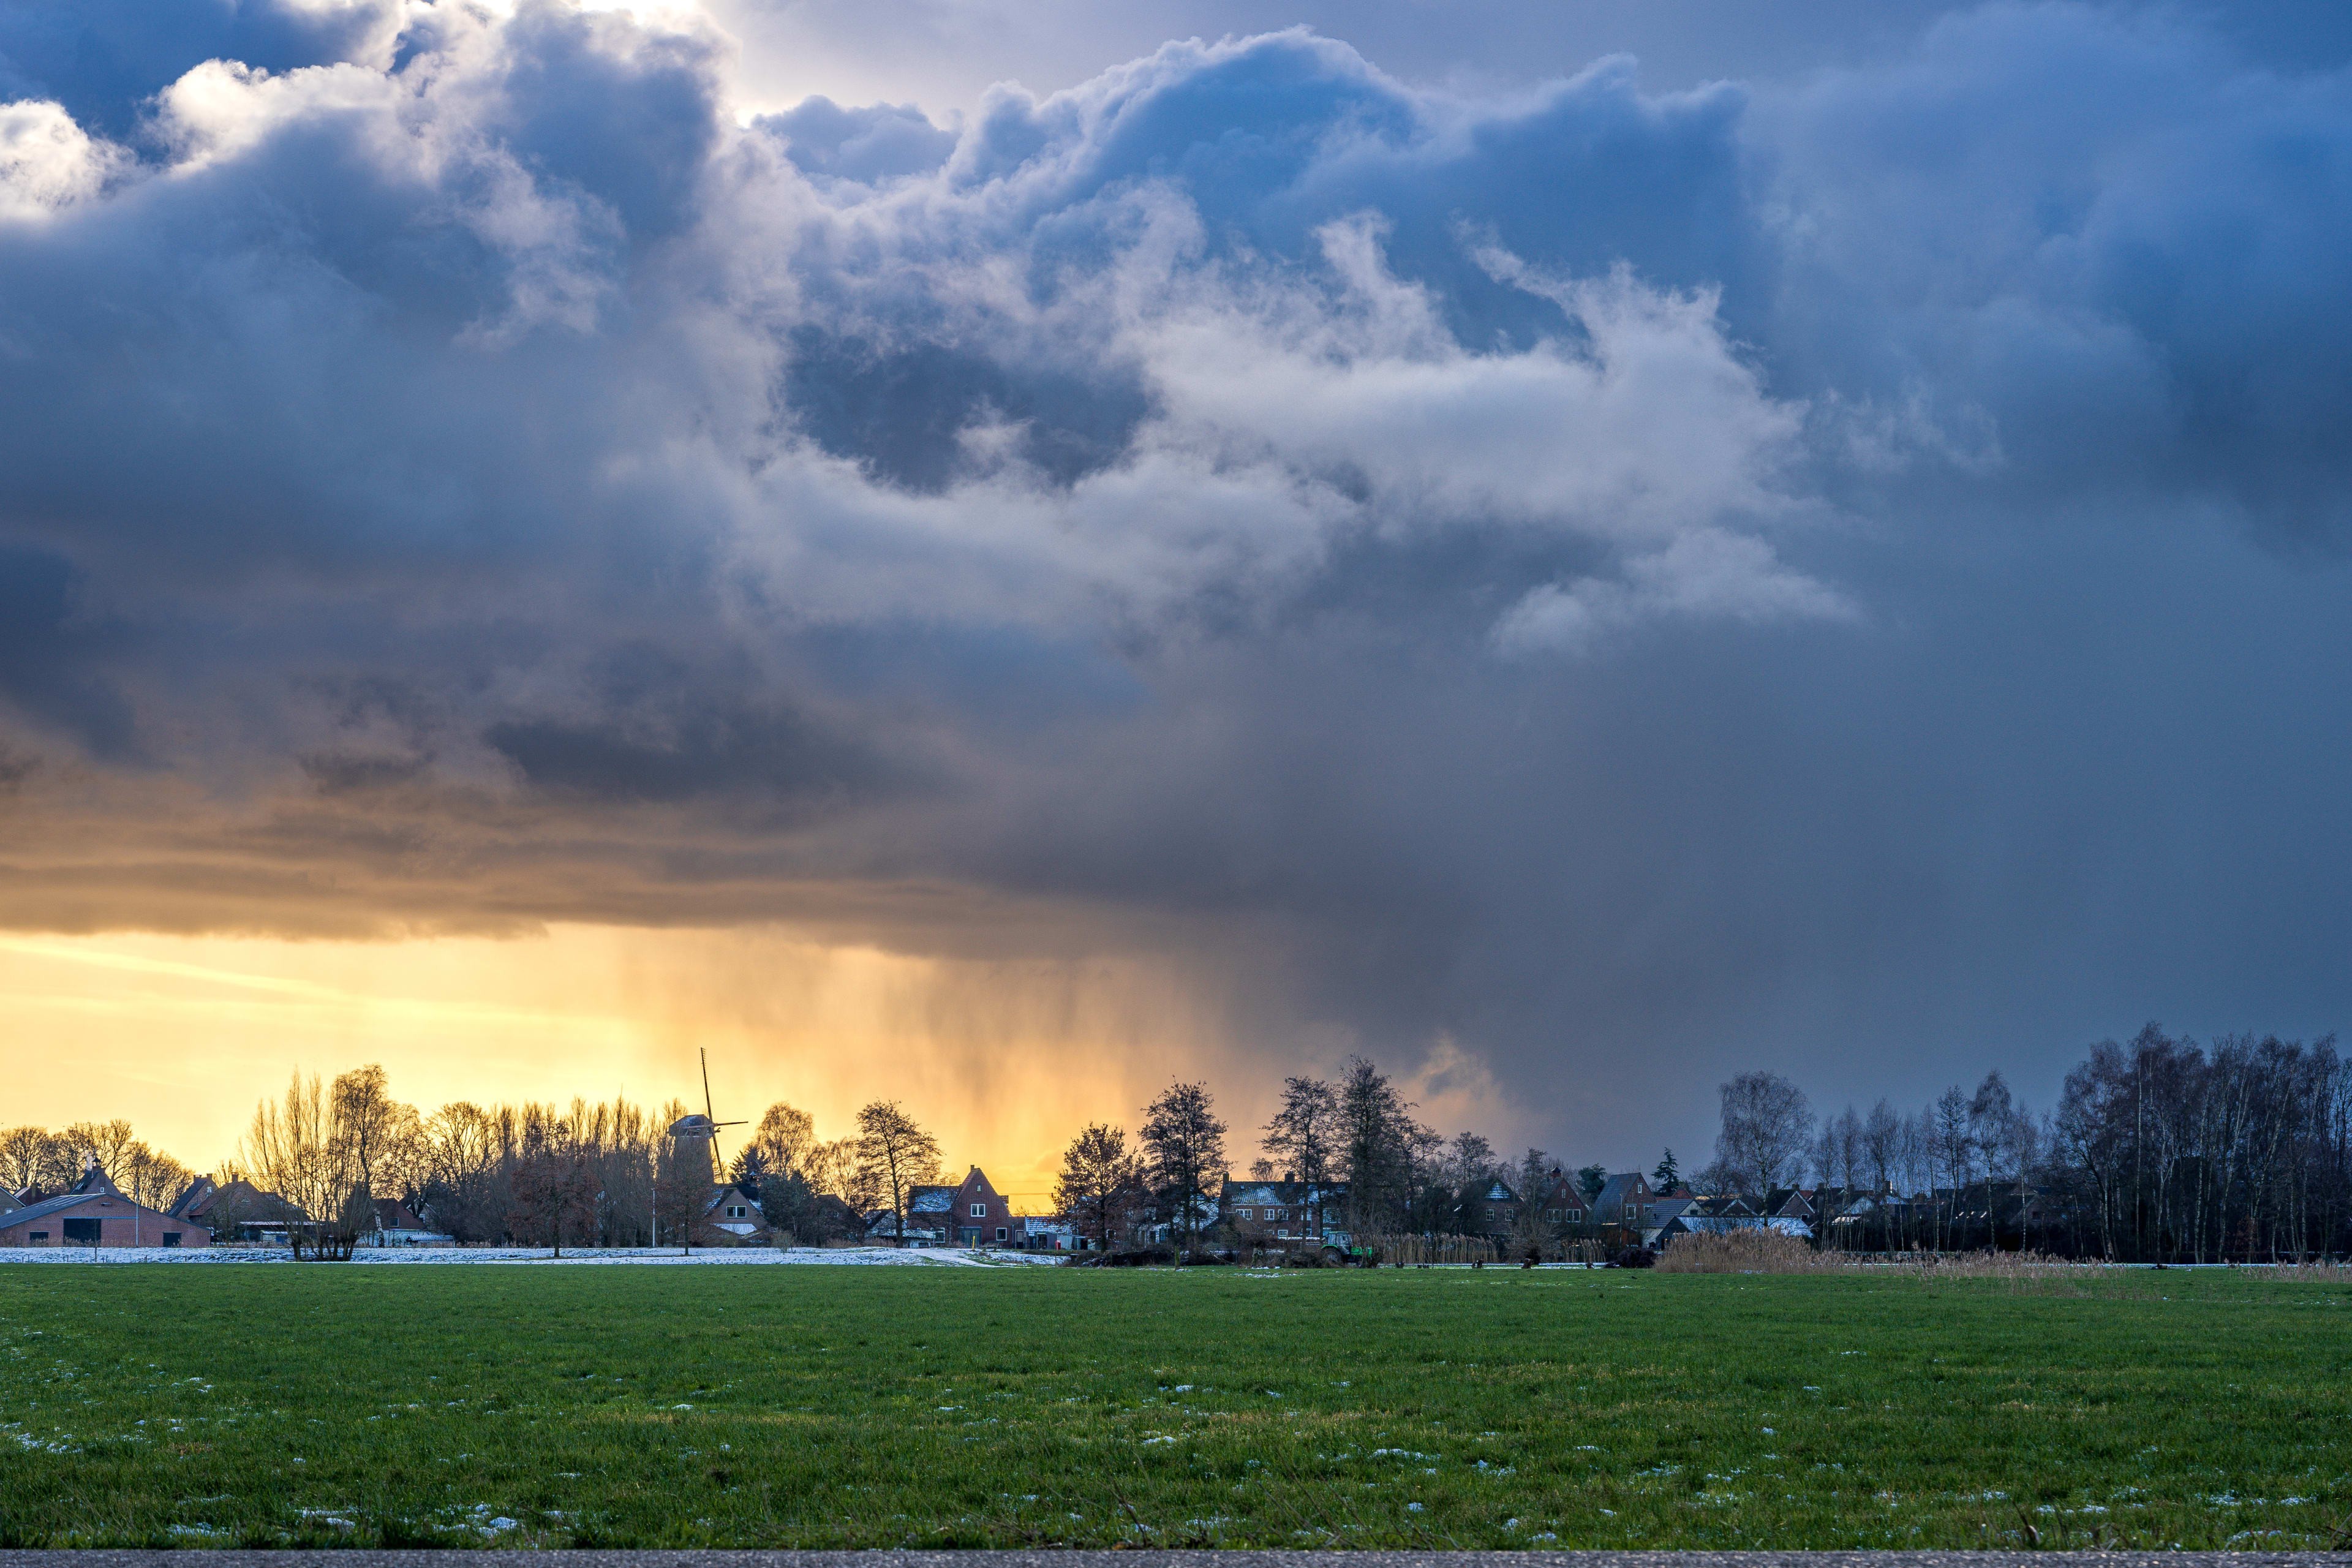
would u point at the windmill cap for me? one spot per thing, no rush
(695, 1126)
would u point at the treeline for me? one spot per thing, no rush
(2158, 1150)
(36, 1159)
(1354, 1140)
(592, 1173)
(2162, 1150)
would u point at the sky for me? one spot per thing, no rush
(997, 555)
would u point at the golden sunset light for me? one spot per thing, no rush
(182, 1036)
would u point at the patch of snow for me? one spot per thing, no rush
(959, 1258)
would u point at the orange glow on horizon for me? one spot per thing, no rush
(1002, 1060)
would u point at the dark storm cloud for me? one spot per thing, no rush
(1839, 572)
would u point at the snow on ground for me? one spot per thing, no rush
(950, 1257)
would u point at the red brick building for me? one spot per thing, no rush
(96, 1215)
(979, 1214)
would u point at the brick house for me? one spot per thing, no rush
(733, 1216)
(1627, 1200)
(979, 1216)
(234, 1209)
(1285, 1214)
(95, 1213)
(971, 1213)
(1561, 1204)
(1491, 1210)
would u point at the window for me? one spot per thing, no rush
(1003, 1231)
(980, 1211)
(1247, 1214)
(82, 1230)
(36, 1235)
(735, 1210)
(171, 1238)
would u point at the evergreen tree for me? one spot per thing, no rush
(750, 1170)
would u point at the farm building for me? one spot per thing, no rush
(95, 1213)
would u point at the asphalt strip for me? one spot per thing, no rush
(1147, 1558)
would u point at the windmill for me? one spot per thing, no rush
(702, 1132)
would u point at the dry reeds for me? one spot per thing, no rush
(1748, 1252)
(1770, 1252)
(1988, 1266)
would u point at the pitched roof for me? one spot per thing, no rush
(726, 1190)
(929, 1200)
(1618, 1188)
(95, 1181)
(1279, 1194)
(185, 1204)
(391, 1215)
(66, 1202)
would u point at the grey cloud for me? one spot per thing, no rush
(1837, 573)
(867, 145)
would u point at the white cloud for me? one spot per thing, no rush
(48, 162)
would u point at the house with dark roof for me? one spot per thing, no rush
(235, 1210)
(733, 1214)
(1285, 1214)
(1626, 1199)
(973, 1213)
(1491, 1210)
(1560, 1204)
(927, 1207)
(397, 1227)
(979, 1214)
(96, 1213)
(9, 1201)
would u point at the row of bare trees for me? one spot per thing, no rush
(43, 1163)
(2162, 1150)
(2239, 1150)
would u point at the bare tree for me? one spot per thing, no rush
(1183, 1149)
(893, 1154)
(27, 1155)
(786, 1139)
(152, 1179)
(1953, 1151)
(1766, 1126)
(1303, 1134)
(293, 1148)
(1098, 1184)
(107, 1142)
(1384, 1154)
(379, 1134)
(831, 1167)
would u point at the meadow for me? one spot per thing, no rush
(320, 1404)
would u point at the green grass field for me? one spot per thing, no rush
(823, 1407)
